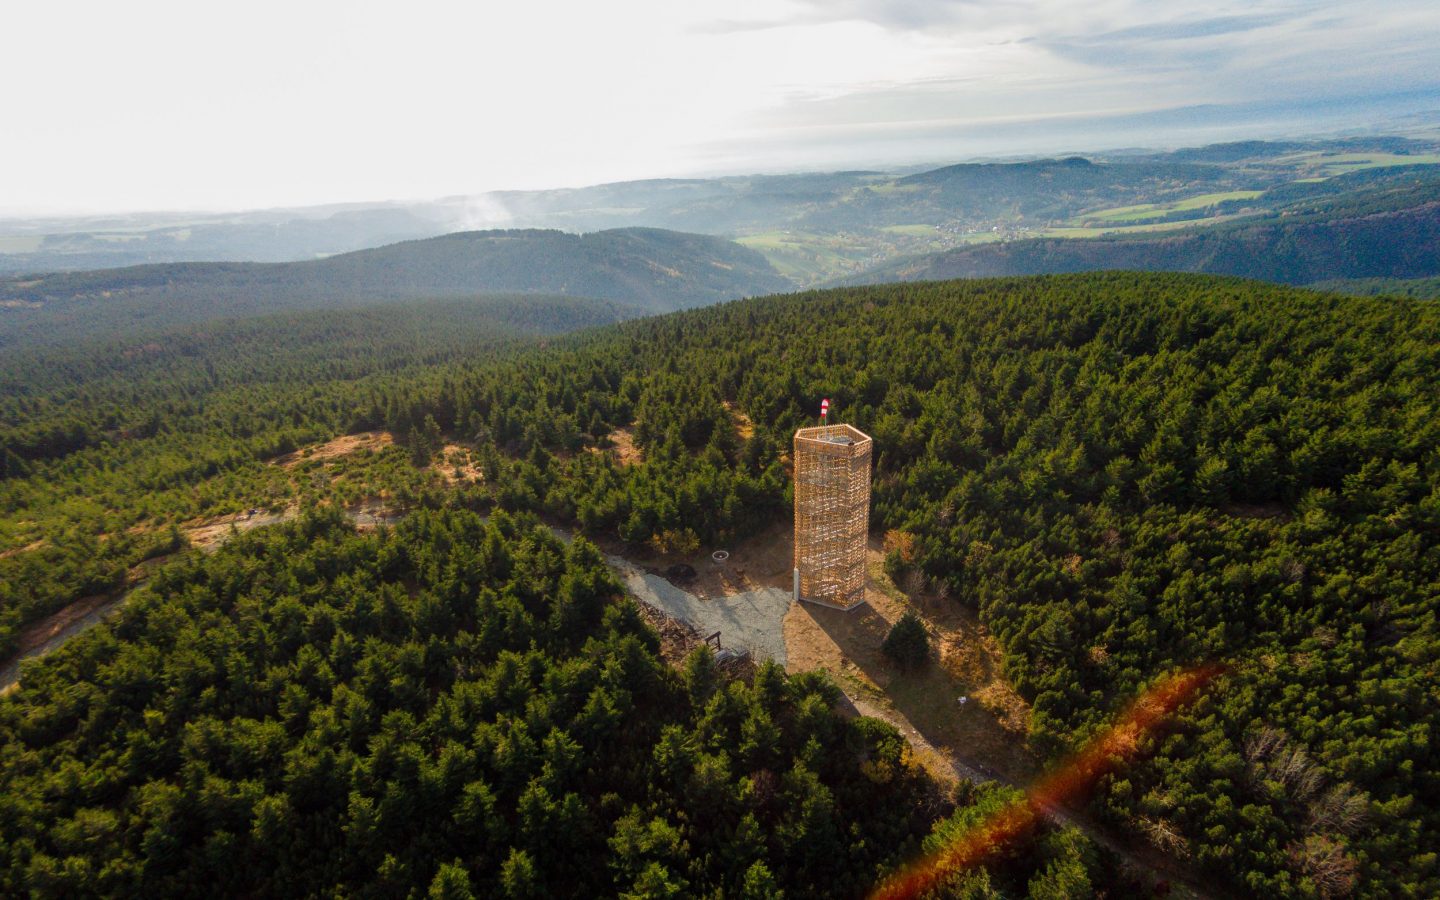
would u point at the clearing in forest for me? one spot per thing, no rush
(456, 464)
(622, 444)
(744, 427)
(986, 733)
(210, 533)
(341, 446)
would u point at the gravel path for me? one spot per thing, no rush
(751, 620)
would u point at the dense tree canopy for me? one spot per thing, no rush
(456, 706)
(1124, 474)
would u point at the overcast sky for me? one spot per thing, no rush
(150, 104)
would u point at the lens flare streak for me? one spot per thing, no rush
(1116, 743)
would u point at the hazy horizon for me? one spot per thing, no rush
(170, 107)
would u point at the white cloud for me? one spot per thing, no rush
(156, 103)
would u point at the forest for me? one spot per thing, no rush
(1124, 474)
(454, 708)
(105, 443)
(1416, 288)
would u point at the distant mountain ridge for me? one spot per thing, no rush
(1390, 244)
(865, 217)
(649, 269)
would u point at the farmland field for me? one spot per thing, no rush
(1327, 165)
(1144, 211)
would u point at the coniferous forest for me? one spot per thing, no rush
(455, 705)
(1124, 475)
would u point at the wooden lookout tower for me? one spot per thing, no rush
(832, 514)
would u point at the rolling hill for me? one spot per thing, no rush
(1033, 191)
(814, 227)
(1401, 243)
(650, 269)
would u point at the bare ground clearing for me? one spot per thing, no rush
(210, 533)
(744, 427)
(622, 444)
(456, 464)
(341, 446)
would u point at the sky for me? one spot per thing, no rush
(152, 104)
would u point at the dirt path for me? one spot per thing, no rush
(947, 766)
(28, 548)
(208, 535)
(50, 633)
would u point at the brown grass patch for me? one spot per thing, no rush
(341, 446)
(744, 427)
(622, 444)
(456, 465)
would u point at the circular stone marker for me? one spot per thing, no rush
(720, 555)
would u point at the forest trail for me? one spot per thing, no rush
(53, 631)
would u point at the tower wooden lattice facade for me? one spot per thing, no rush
(832, 514)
